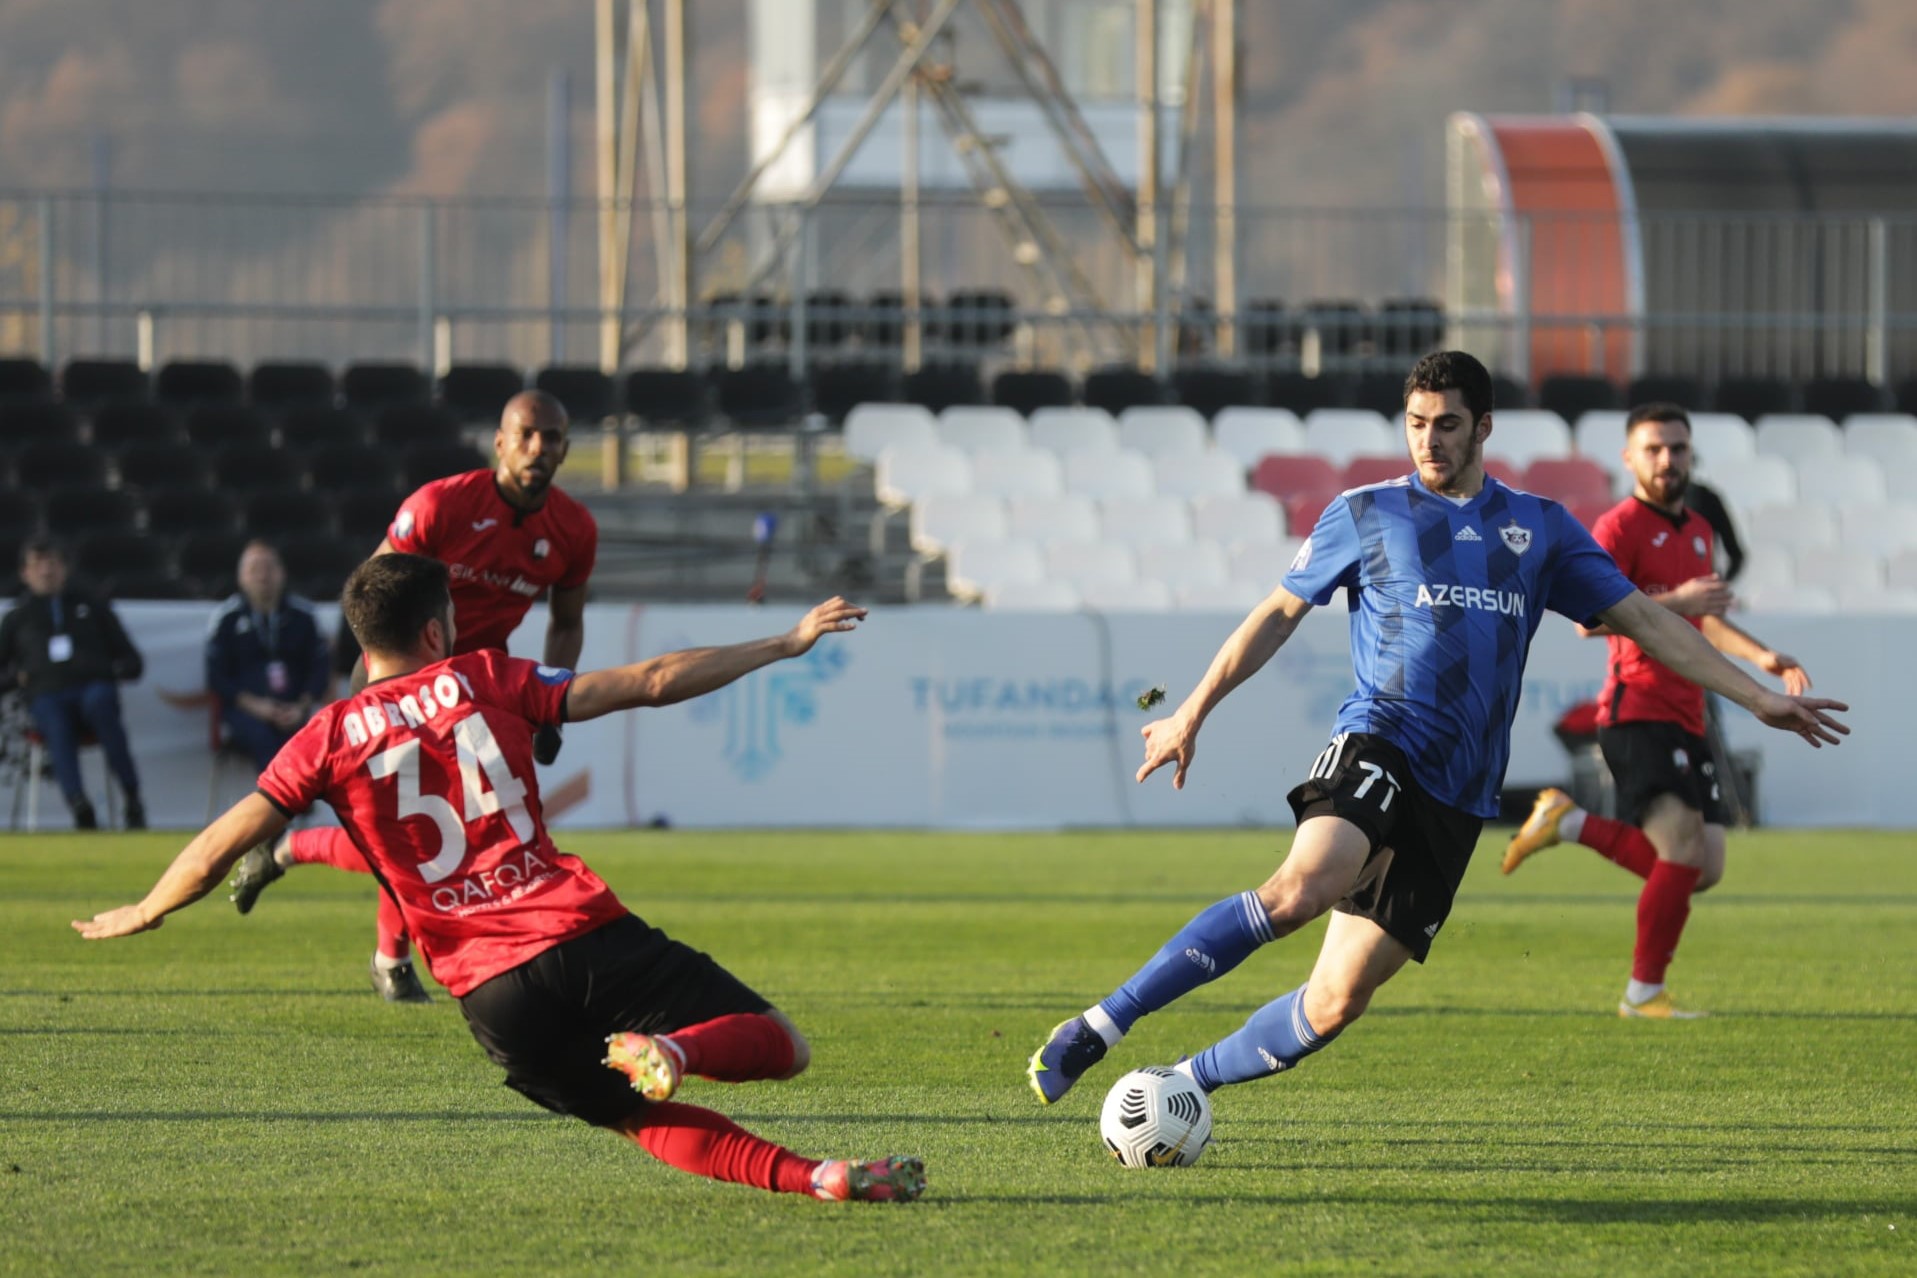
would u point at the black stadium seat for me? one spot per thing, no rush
(1840, 397)
(1666, 388)
(317, 565)
(1380, 391)
(278, 386)
(1026, 390)
(60, 465)
(364, 515)
(978, 318)
(1752, 397)
(761, 395)
(828, 323)
(374, 385)
(19, 518)
(248, 468)
(341, 468)
(194, 381)
(1118, 388)
(478, 392)
(88, 383)
(118, 426)
(24, 378)
(105, 558)
(317, 426)
(210, 559)
(179, 512)
(22, 425)
(1210, 391)
(214, 426)
(586, 393)
(1508, 392)
(413, 425)
(1267, 329)
(939, 386)
(149, 467)
(424, 464)
(1301, 394)
(1406, 327)
(839, 388)
(1342, 326)
(1571, 396)
(668, 397)
(285, 512)
(884, 324)
(74, 512)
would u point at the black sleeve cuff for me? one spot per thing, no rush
(278, 807)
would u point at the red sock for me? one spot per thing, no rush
(329, 845)
(1616, 841)
(735, 1049)
(1662, 907)
(393, 941)
(708, 1144)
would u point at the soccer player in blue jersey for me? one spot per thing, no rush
(1447, 574)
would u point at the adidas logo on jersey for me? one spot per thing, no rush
(1467, 533)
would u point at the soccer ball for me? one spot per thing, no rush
(1156, 1117)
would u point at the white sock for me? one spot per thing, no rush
(1108, 1030)
(1184, 1067)
(1571, 825)
(283, 852)
(1639, 992)
(386, 962)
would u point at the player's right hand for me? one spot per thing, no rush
(125, 921)
(1803, 715)
(1168, 741)
(833, 616)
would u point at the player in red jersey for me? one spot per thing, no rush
(590, 1011)
(507, 536)
(1651, 721)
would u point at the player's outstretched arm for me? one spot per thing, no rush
(1259, 636)
(693, 672)
(1675, 642)
(1734, 641)
(199, 868)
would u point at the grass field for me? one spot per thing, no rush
(227, 1095)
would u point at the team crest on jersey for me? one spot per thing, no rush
(403, 526)
(541, 548)
(553, 675)
(1697, 544)
(1517, 540)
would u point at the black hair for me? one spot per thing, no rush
(389, 599)
(1658, 410)
(35, 547)
(1453, 370)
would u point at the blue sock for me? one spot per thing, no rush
(1219, 938)
(1275, 1038)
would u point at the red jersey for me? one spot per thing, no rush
(1657, 552)
(431, 774)
(501, 557)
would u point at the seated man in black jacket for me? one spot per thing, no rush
(265, 658)
(67, 650)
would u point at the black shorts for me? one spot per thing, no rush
(1419, 846)
(546, 1021)
(1649, 759)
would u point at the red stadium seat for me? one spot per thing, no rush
(1589, 512)
(1504, 472)
(1283, 474)
(1302, 509)
(1568, 479)
(1375, 469)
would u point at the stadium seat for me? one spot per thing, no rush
(585, 393)
(1380, 392)
(1406, 327)
(1266, 328)
(1572, 396)
(1666, 388)
(1891, 438)
(117, 426)
(180, 512)
(1797, 437)
(1130, 596)
(676, 397)
(1900, 570)
(761, 318)
(1792, 525)
(1303, 510)
(26, 424)
(1836, 567)
(1026, 390)
(338, 468)
(1496, 468)
(363, 515)
(1194, 475)
(276, 513)
(46, 466)
(1032, 596)
(882, 326)
(1719, 437)
(1598, 437)
(1116, 389)
(759, 396)
(313, 426)
(1842, 480)
(1026, 472)
(1248, 434)
(978, 318)
(1192, 565)
(1099, 474)
(1088, 563)
(982, 428)
(249, 468)
(840, 387)
(373, 385)
(1068, 430)
(24, 380)
(85, 384)
(1754, 397)
(1882, 529)
(1521, 435)
(1571, 480)
(211, 559)
(197, 381)
(1064, 517)
(1263, 564)
(477, 393)
(105, 558)
(1509, 392)
(1145, 521)
(939, 519)
(976, 568)
(399, 426)
(19, 518)
(1230, 521)
(1287, 474)
(1339, 434)
(318, 565)
(938, 386)
(1341, 326)
(904, 474)
(75, 512)
(147, 467)
(1589, 512)
(1302, 394)
(1162, 430)
(1234, 597)
(1212, 391)
(1841, 397)
(1808, 601)
(1766, 568)
(425, 463)
(214, 426)
(1362, 472)
(871, 428)
(279, 386)
(1876, 601)
(828, 323)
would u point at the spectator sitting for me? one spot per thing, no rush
(67, 650)
(265, 658)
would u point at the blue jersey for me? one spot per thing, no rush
(1444, 600)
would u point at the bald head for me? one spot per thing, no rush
(530, 444)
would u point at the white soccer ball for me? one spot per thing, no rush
(1156, 1117)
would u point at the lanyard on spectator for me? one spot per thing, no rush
(267, 626)
(59, 621)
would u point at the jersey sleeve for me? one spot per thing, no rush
(585, 554)
(534, 692)
(298, 775)
(1585, 580)
(415, 528)
(1329, 558)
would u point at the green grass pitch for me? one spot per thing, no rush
(226, 1095)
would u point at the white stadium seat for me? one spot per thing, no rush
(1197, 563)
(982, 428)
(1145, 521)
(1196, 475)
(1883, 530)
(1766, 568)
(1877, 601)
(1797, 436)
(1086, 563)
(1840, 568)
(1101, 474)
(1162, 429)
(940, 519)
(1900, 570)
(1339, 434)
(1840, 478)
(1749, 482)
(1066, 517)
(871, 428)
(1246, 434)
(1891, 438)
(1720, 437)
(1234, 597)
(1027, 472)
(904, 474)
(1032, 596)
(1808, 600)
(976, 568)
(1068, 430)
(1793, 526)
(1135, 596)
(1599, 437)
(1264, 565)
(1250, 517)
(1522, 435)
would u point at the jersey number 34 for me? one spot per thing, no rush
(485, 777)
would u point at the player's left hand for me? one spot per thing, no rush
(832, 616)
(1170, 740)
(124, 921)
(1803, 715)
(1796, 679)
(546, 743)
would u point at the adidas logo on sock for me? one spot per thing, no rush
(1467, 533)
(1272, 1063)
(1203, 960)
